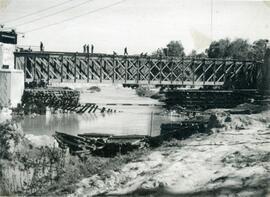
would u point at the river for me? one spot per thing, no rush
(129, 119)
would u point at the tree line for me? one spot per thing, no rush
(223, 48)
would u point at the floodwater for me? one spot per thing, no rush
(128, 120)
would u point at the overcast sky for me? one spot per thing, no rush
(140, 25)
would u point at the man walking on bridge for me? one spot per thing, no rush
(41, 46)
(125, 51)
(92, 49)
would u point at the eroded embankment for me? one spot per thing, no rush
(232, 160)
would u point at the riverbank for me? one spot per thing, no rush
(28, 169)
(233, 160)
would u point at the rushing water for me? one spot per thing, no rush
(135, 119)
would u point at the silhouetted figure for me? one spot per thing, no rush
(92, 48)
(125, 51)
(41, 46)
(87, 48)
(114, 53)
(84, 48)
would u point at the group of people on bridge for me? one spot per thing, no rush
(86, 48)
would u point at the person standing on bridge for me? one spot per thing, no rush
(125, 51)
(84, 48)
(87, 48)
(92, 49)
(41, 46)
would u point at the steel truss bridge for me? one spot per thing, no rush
(102, 68)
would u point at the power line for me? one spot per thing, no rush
(55, 13)
(78, 16)
(36, 12)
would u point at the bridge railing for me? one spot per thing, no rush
(138, 69)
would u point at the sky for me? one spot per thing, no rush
(139, 25)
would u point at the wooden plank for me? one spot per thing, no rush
(94, 110)
(91, 108)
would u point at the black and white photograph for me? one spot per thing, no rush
(154, 98)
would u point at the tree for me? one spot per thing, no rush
(159, 52)
(194, 54)
(258, 49)
(236, 49)
(239, 49)
(175, 49)
(218, 49)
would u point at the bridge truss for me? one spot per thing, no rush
(104, 68)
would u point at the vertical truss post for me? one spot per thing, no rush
(88, 66)
(75, 67)
(245, 71)
(192, 71)
(224, 71)
(138, 65)
(24, 67)
(126, 66)
(48, 69)
(34, 67)
(234, 68)
(182, 69)
(203, 66)
(149, 69)
(54, 67)
(61, 64)
(256, 75)
(68, 70)
(160, 69)
(80, 69)
(92, 67)
(101, 70)
(171, 63)
(113, 64)
(214, 70)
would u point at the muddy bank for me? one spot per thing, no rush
(233, 160)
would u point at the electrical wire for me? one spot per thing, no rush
(36, 12)
(78, 16)
(53, 14)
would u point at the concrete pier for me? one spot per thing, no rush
(11, 87)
